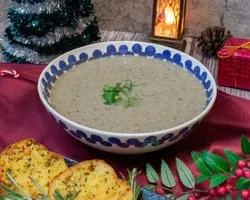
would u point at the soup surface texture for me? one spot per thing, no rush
(168, 95)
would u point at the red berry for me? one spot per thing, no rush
(191, 198)
(229, 187)
(241, 164)
(239, 172)
(245, 194)
(221, 191)
(247, 173)
(232, 180)
(248, 164)
(197, 194)
(212, 192)
(160, 191)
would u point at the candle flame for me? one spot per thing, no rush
(169, 16)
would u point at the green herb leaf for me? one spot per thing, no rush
(170, 196)
(228, 197)
(109, 97)
(117, 88)
(149, 187)
(57, 195)
(184, 197)
(108, 88)
(201, 178)
(16, 184)
(39, 187)
(133, 184)
(232, 157)
(245, 145)
(128, 85)
(216, 162)
(186, 176)
(239, 197)
(201, 165)
(151, 174)
(166, 175)
(217, 179)
(12, 193)
(73, 196)
(243, 183)
(119, 95)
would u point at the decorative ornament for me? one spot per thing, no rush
(41, 30)
(226, 176)
(9, 73)
(212, 39)
(52, 37)
(38, 8)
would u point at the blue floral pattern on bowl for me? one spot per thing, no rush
(54, 70)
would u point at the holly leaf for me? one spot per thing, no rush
(228, 197)
(245, 145)
(201, 165)
(239, 197)
(232, 157)
(151, 174)
(201, 178)
(167, 177)
(184, 197)
(186, 176)
(217, 179)
(233, 170)
(216, 162)
(170, 196)
(243, 183)
(149, 187)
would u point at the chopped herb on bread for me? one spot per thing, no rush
(93, 180)
(28, 158)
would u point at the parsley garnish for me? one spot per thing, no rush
(119, 94)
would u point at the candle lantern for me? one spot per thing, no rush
(168, 23)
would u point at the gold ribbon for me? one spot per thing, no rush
(231, 50)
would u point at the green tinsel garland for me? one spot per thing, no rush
(33, 24)
(29, 1)
(39, 37)
(89, 35)
(12, 59)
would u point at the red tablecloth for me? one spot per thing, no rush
(22, 115)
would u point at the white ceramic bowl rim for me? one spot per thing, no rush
(134, 135)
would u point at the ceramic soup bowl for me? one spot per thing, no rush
(125, 143)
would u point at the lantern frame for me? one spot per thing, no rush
(174, 42)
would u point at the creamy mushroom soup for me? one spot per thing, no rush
(162, 94)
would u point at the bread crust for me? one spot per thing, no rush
(95, 180)
(28, 158)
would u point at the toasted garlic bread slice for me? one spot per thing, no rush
(26, 159)
(94, 180)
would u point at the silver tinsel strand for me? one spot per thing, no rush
(53, 37)
(24, 52)
(49, 7)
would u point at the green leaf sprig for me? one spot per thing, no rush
(119, 94)
(10, 194)
(136, 189)
(220, 172)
